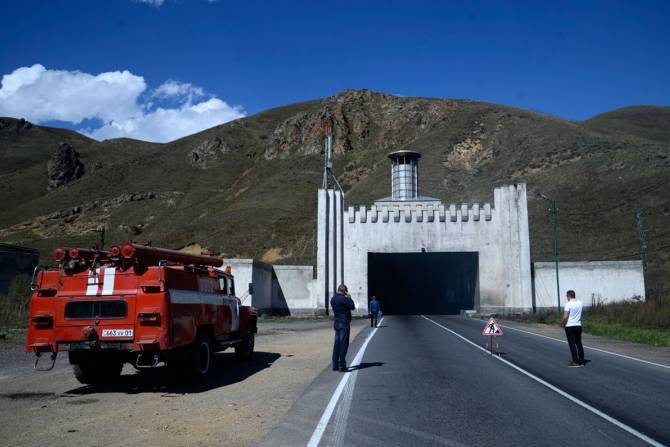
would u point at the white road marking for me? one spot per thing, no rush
(328, 412)
(588, 347)
(559, 391)
(591, 347)
(342, 413)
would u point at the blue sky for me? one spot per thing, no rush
(195, 63)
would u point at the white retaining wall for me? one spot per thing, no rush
(259, 273)
(291, 290)
(603, 281)
(295, 289)
(278, 289)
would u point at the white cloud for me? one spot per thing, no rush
(174, 89)
(119, 99)
(38, 94)
(169, 124)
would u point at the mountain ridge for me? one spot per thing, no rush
(247, 188)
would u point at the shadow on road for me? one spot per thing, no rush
(227, 371)
(365, 365)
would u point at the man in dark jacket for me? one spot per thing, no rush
(375, 308)
(342, 305)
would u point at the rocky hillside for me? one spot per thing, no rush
(248, 188)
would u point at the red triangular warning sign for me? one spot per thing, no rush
(492, 328)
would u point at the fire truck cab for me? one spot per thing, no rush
(140, 305)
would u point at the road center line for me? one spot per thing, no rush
(590, 347)
(328, 412)
(570, 397)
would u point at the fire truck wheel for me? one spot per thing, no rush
(201, 360)
(245, 349)
(95, 370)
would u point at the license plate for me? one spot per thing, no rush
(124, 333)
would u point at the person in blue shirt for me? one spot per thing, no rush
(342, 305)
(374, 308)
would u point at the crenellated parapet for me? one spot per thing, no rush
(418, 212)
(428, 211)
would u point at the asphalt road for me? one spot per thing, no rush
(420, 384)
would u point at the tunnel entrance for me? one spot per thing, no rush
(424, 283)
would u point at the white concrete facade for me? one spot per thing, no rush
(291, 289)
(295, 288)
(278, 289)
(498, 233)
(246, 271)
(593, 282)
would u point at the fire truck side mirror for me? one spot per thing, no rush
(251, 288)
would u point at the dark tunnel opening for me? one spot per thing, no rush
(424, 283)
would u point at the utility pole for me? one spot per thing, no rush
(554, 231)
(643, 247)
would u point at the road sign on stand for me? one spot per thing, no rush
(492, 329)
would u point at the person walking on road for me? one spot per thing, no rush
(375, 309)
(572, 319)
(342, 305)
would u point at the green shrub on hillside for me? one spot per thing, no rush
(650, 314)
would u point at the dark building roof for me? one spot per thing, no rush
(17, 248)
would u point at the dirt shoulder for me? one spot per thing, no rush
(638, 350)
(239, 405)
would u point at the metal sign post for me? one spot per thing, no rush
(492, 329)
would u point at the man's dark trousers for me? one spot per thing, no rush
(341, 345)
(574, 334)
(374, 319)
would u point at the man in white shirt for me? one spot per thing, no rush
(572, 320)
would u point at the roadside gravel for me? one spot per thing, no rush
(239, 405)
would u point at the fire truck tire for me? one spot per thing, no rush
(245, 349)
(201, 358)
(95, 370)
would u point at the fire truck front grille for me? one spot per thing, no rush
(82, 310)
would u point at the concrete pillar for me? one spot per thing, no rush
(338, 216)
(523, 236)
(511, 217)
(323, 250)
(330, 260)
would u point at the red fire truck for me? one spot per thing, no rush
(136, 304)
